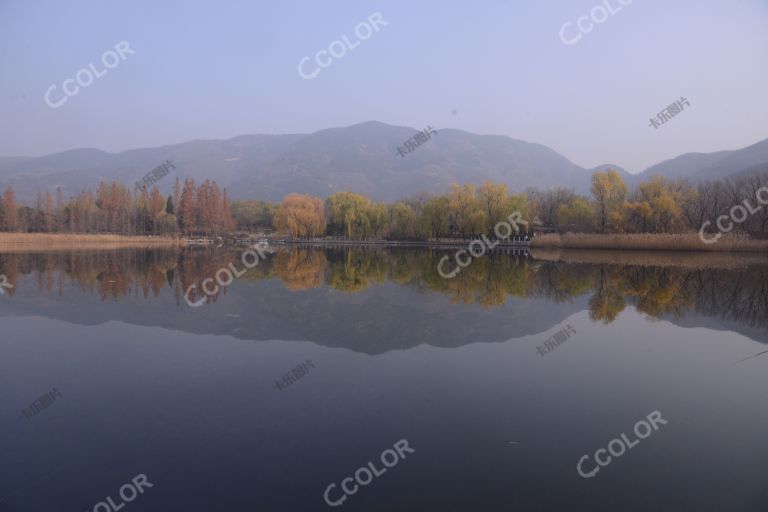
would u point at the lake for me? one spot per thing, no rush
(362, 380)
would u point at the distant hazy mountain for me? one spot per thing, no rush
(362, 158)
(707, 166)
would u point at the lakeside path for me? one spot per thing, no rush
(687, 242)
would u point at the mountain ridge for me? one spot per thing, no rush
(362, 158)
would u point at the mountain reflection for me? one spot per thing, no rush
(714, 286)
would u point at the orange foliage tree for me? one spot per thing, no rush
(300, 215)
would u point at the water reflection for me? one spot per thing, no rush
(189, 396)
(727, 288)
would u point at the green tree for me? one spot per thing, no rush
(348, 215)
(169, 208)
(433, 222)
(462, 203)
(403, 224)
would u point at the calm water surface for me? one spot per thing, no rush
(497, 417)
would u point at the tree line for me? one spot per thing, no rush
(113, 208)
(657, 205)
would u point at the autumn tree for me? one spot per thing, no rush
(226, 220)
(609, 191)
(187, 216)
(300, 215)
(206, 207)
(116, 210)
(655, 206)
(9, 210)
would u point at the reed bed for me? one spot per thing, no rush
(21, 242)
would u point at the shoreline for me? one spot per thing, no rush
(680, 243)
(685, 242)
(385, 244)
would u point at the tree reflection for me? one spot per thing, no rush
(737, 294)
(300, 269)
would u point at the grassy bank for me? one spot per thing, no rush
(648, 242)
(20, 242)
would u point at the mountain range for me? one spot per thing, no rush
(362, 158)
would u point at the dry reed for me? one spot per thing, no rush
(19, 242)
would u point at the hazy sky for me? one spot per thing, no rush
(218, 69)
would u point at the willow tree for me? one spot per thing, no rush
(462, 207)
(352, 215)
(433, 222)
(300, 215)
(494, 199)
(403, 222)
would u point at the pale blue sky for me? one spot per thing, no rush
(219, 69)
